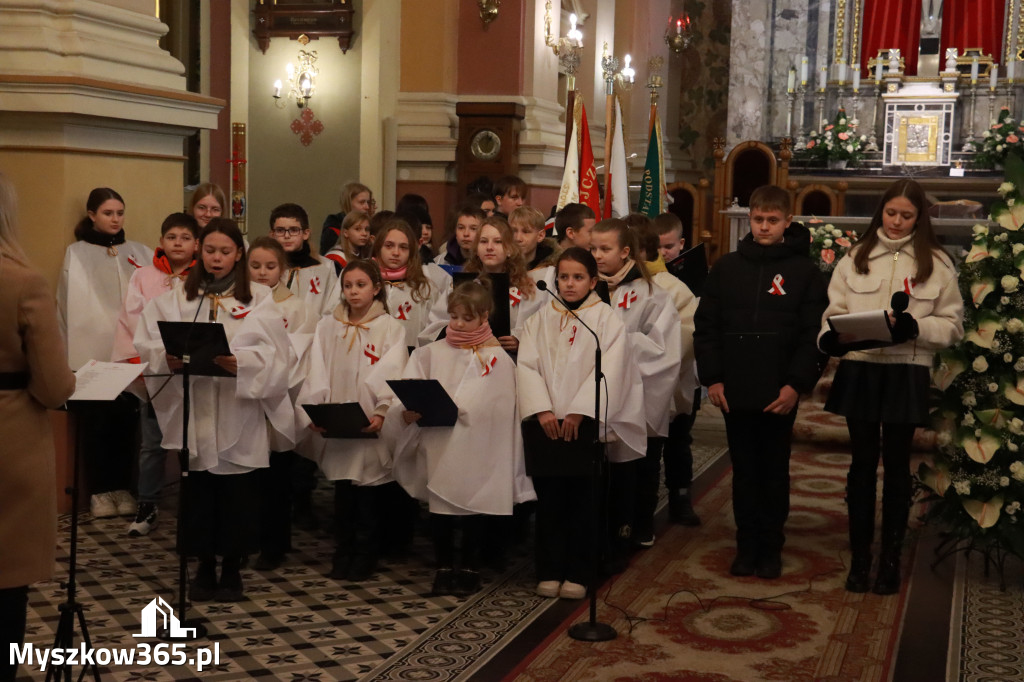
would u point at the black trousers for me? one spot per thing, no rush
(759, 446)
(357, 520)
(13, 614)
(564, 546)
(678, 455)
(443, 527)
(894, 449)
(648, 477)
(221, 513)
(107, 436)
(276, 503)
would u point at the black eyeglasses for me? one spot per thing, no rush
(290, 231)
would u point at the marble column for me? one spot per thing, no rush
(750, 60)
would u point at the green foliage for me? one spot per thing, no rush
(837, 141)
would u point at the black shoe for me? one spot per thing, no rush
(745, 564)
(268, 561)
(680, 510)
(229, 588)
(467, 582)
(204, 584)
(340, 565)
(859, 578)
(769, 565)
(362, 568)
(444, 582)
(888, 579)
(145, 520)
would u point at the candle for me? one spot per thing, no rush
(878, 71)
(277, 89)
(993, 77)
(791, 82)
(974, 71)
(856, 79)
(842, 73)
(803, 70)
(822, 78)
(1009, 69)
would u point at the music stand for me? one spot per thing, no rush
(201, 342)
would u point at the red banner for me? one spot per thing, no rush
(589, 193)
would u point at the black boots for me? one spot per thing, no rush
(680, 509)
(861, 508)
(895, 513)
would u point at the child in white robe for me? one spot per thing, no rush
(268, 263)
(227, 437)
(556, 386)
(310, 278)
(474, 470)
(355, 352)
(93, 285)
(353, 240)
(655, 335)
(179, 238)
(410, 291)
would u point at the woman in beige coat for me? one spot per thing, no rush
(34, 376)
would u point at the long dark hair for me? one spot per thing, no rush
(97, 198)
(924, 239)
(196, 275)
(372, 271)
(419, 283)
(579, 255)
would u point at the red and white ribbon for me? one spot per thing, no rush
(572, 338)
(314, 285)
(514, 296)
(403, 311)
(490, 365)
(240, 311)
(628, 299)
(777, 289)
(132, 261)
(371, 352)
(908, 285)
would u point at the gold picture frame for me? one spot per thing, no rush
(918, 138)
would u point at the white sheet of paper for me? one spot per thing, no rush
(869, 326)
(97, 380)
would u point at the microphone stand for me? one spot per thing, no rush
(591, 630)
(189, 629)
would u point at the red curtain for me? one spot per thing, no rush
(894, 23)
(972, 23)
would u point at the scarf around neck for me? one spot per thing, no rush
(468, 340)
(393, 275)
(92, 236)
(219, 286)
(163, 264)
(619, 277)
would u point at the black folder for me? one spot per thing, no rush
(547, 457)
(202, 342)
(501, 317)
(428, 397)
(691, 268)
(341, 420)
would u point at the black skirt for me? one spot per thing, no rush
(221, 513)
(880, 393)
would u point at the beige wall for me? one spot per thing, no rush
(430, 44)
(280, 168)
(53, 187)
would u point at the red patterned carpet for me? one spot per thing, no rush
(681, 616)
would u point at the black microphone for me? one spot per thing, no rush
(900, 302)
(543, 286)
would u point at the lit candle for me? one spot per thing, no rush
(856, 79)
(679, 27)
(277, 89)
(803, 70)
(993, 77)
(974, 71)
(791, 82)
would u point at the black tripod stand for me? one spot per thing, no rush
(71, 608)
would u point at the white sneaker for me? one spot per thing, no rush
(125, 503)
(548, 588)
(572, 590)
(102, 506)
(145, 520)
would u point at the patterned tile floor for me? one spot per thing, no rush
(298, 624)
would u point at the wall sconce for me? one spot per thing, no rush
(301, 81)
(679, 33)
(488, 10)
(612, 75)
(566, 48)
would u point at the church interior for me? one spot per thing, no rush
(278, 101)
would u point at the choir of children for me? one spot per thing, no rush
(301, 335)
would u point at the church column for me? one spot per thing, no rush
(748, 71)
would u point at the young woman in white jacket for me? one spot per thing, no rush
(883, 392)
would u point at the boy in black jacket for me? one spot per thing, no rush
(755, 342)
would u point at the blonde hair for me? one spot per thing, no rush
(350, 192)
(208, 189)
(9, 246)
(475, 296)
(527, 215)
(353, 218)
(515, 264)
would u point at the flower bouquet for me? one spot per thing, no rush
(829, 244)
(837, 142)
(977, 478)
(1004, 136)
